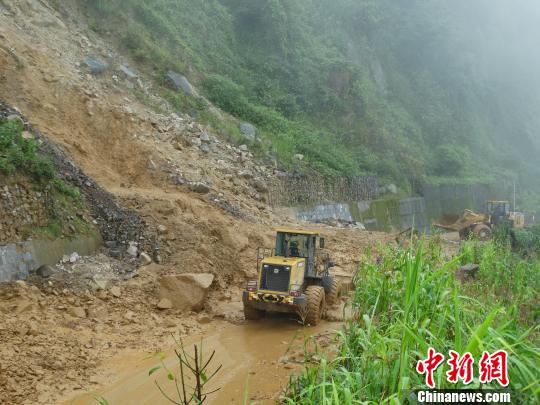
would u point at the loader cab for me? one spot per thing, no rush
(498, 211)
(299, 244)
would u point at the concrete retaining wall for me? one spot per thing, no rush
(18, 259)
(381, 215)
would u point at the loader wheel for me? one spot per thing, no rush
(315, 304)
(333, 295)
(464, 233)
(483, 232)
(252, 314)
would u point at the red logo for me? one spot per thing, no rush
(461, 368)
(429, 365)
(494, 367)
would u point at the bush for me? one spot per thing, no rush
(20, 154)
(451, 160)
(17, 153)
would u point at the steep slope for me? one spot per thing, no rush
(404, 90)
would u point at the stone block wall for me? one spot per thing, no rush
(23, 207)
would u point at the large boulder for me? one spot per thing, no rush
(95, 65)
(248, 129)
(180, 82)
(185, 291)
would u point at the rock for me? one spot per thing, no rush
(205, 148)
(243, 148)
(44, 271)
(15, 117)
(467, 271)
(165, 303)
(180, 82)
(116, 292)
(145, 259)
(77, 312)
(204, 137)
(392, 188)
(360, 226)
(199, 187)
(162, 229)
(151, 165)
(130, 316)
(102, 295)
(128, 72)
(248, 129)
(95, 65)
(299, 156)
(196, 141)
(33, 329)
(186, 291)
(245, 174)
(27, 135)
(259, 185)
(100, 281)
(73, 257)
(132, 249)
(203, 319)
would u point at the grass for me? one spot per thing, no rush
(409, 300)
(20, 158)
(20, 154)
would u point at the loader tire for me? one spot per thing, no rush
(315, 304)
(252, 314)
(464, 233)
(482, 232)
(333, 295)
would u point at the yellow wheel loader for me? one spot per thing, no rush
(482, 224)
(292, 277)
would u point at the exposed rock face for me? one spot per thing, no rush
(186, 291)
(23, 206)
(180, 82)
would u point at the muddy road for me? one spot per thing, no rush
(257, 359)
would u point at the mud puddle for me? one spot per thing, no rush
(250, 354)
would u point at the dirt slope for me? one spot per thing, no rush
(54, 334)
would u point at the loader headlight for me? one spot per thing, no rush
(295, 290)
(251, 286)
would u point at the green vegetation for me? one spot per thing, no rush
(403, 90)
(408, 300)
(18, 153)
(19, 157)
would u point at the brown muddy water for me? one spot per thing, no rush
(250, 354)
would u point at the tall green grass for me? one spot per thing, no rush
(406, 301)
